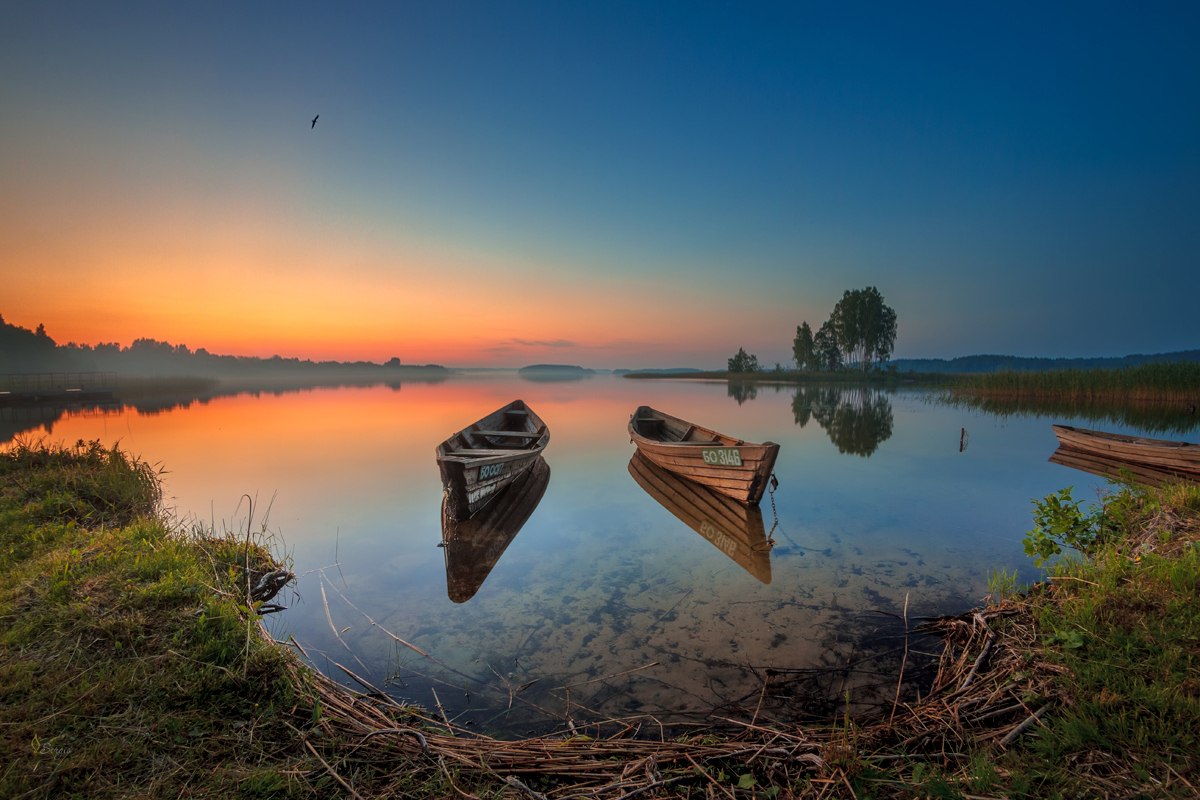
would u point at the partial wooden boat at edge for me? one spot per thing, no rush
(721, 462)
(732, 527)
(487, 455)
(473, 546)
(1180, 458)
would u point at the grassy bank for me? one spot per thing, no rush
(132, 664)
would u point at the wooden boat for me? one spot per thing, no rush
(473, 546)
(731, 527)
(487, 455)
(1182, 458)
(730, 466)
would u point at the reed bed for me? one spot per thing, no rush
(1157, 398)
(1152, 384)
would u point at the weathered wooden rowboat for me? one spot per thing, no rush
(487, 455)
(731, 527)
(1182, 458)
(727, 465)
(473, 546)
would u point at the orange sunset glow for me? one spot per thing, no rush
(477, 196)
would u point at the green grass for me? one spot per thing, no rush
(1122, 627)
(121, 672)
(1128, 638)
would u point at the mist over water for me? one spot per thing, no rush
(591, 597)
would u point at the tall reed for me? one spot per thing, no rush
(1148, 383)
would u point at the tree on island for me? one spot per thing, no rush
(865, 327)
(826, 354)
(743, 362)
(803, 351)
(860, 331)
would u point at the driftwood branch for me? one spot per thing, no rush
(269, 585)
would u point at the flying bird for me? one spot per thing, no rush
(314, 124)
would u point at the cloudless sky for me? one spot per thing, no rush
(613, 184)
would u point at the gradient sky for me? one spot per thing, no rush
(613, 184)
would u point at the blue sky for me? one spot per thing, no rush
(614, 184)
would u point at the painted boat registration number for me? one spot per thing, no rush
(722, 456)
(490, 471)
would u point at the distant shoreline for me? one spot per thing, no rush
(796, 376)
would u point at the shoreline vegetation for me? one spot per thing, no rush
(1147, 385)
(134, 663)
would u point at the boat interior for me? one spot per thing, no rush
(672, 430)
(508, 430)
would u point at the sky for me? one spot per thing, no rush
(611, 184)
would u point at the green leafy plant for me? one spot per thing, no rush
(1059, 520)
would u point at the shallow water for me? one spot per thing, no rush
(605, 603)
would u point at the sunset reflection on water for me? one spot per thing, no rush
(608, 602)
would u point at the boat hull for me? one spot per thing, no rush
(735, 468)
(481, 459)
(1180, 458)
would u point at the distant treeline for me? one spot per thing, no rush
(23, 350)
(993, 363)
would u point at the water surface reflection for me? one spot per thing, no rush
(733, 528)
(606, 604)
(472, 546)
(857, 418)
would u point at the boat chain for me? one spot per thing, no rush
(771, 487)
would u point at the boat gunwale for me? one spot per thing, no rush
(536, 427)
(1085, 434)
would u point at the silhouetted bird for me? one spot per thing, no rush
(314, 122)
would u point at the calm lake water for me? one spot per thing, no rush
(605, 604)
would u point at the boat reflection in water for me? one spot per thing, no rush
(1114, 469)
(474, 545)
(734, 529)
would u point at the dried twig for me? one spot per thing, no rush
(341, 781)
(1024, 726)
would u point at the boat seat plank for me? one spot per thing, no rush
(521, 434)
(486, 452)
